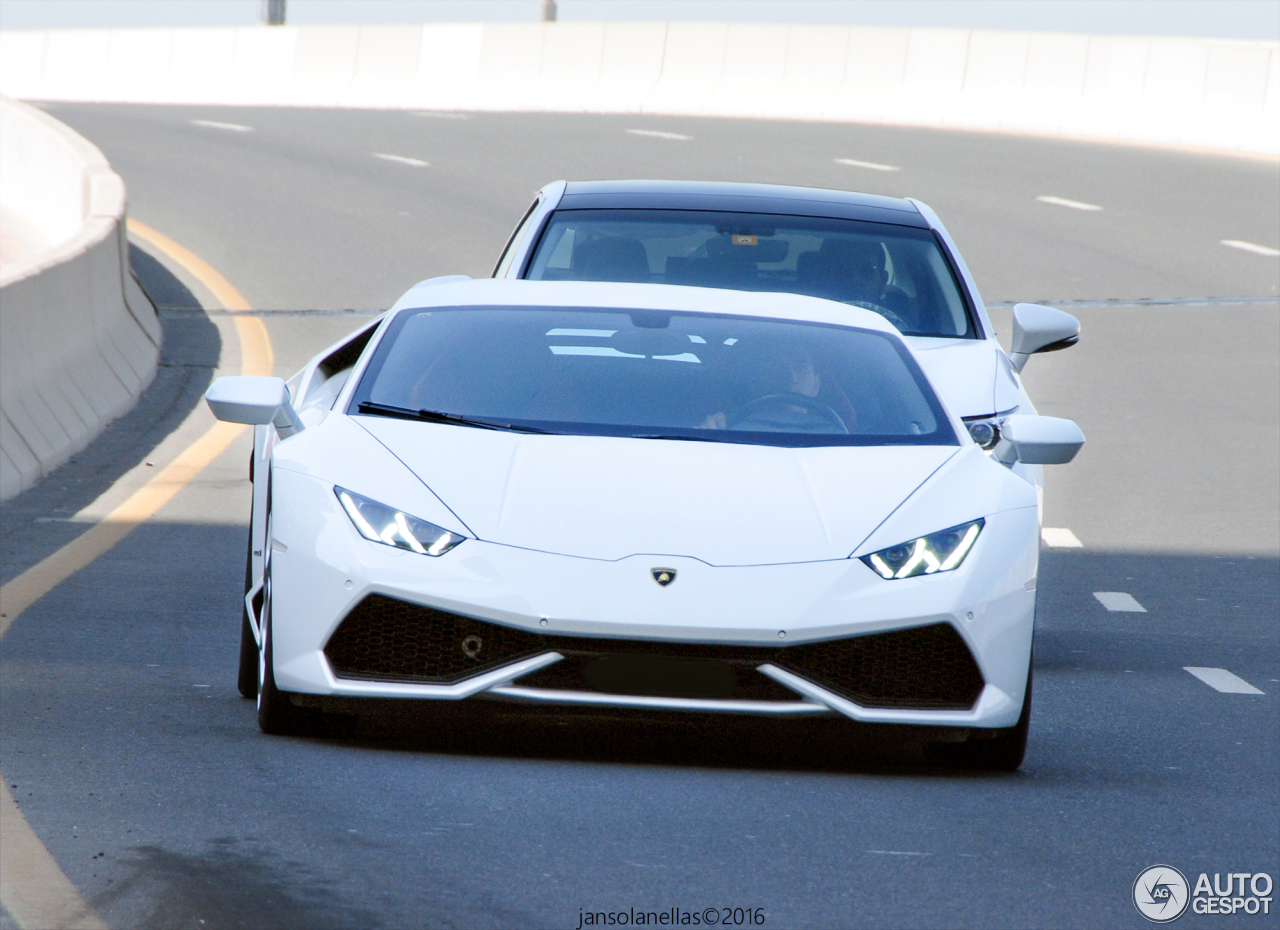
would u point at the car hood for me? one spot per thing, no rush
(963, 371)
(609, 498)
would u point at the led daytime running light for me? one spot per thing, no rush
(938, 552)
(399, 530)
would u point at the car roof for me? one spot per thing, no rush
(739, 198)
(609, 295)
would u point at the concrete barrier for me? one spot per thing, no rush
(78, 338)
(1211, 93)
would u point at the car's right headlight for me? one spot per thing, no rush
(391, 527)
(937, 552)
(984, 430)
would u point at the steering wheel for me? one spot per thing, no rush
(884, 311)
(776, 402)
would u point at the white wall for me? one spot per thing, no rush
(1213, 93)
(79, 341)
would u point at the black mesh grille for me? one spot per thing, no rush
(926, 667)
(388, 639)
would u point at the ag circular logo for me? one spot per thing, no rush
(1160, 893)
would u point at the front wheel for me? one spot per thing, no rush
(276, 713)
(247, 679)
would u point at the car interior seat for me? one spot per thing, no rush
(611, 259)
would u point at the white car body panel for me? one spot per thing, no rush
(727, 506)
(962, 370)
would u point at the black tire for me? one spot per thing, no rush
(1004, 752)
(276, 713)
(247, 679)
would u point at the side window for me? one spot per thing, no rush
(332, 372)
(517, 237)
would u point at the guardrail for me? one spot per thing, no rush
(79, 340)
(1213, 93)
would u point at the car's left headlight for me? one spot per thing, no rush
(928, 555)
(391, 527)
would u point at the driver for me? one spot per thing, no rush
(854, 267)
(799, 376)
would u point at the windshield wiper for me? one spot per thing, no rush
(435, 416)
(672, 436)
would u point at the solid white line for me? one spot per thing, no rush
(1059, 537)
(214, 124)
(658, 134)
(874, 166)
(1119, 601)
(402, 160)
(1064, 202)
(1250, 247)
(1219, 679)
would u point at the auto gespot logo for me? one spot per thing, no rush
(1162, 893)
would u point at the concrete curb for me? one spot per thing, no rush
(79, 341)
(1208, 93)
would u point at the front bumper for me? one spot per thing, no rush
(322, 570)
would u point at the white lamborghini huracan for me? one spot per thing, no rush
(639, 496)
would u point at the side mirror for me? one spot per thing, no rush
(256, 401)
(1037, 440)
(1040, 329)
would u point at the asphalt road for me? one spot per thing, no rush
(134, 760)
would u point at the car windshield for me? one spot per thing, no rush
(897, 271)
(652, 374)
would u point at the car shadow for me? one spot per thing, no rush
(673, 740)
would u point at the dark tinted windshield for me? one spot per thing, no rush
(897, 271)
(655, 374)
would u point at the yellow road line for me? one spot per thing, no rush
(205, 273)
(33, 889)
(40, 579)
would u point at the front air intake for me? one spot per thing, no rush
(386, 639)
(923, 668)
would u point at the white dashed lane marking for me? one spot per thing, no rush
(874, 166)
(1059, 537)
(214, 124)
(1064, 202)
(1119, 601)
(895, 852)
(1250, 247)
(402, 160)
(1219, 679)
(659, 134)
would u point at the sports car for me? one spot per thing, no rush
(663, 498)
